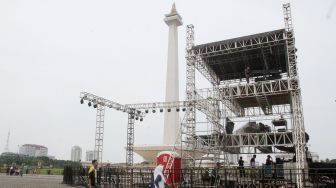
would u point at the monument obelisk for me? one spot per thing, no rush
(171, 119)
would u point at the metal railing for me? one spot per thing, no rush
(264, 176)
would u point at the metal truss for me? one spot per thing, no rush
(99, 138)
(204, 105)
(100, 103)
(139, 110)
(210, 106)
(269, 139)
(297, 120)
(256, 113)
(206, 70)
(130, 138)
(262, 88)
(190, 125)
(215, 49)
(94, 99)
(229, 93)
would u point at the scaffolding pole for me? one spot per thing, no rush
(190, 92)
(130, 138)
(297, 116)
(99, 137)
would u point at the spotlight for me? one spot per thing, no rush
(183, 109)
(95, 105)
(141, 119)
(146, 111)
(139, 111)
(153, 111)
(89, 104)
(81, 101)
(169, 110)
(177, 109)
(161, 110)
(136, 118)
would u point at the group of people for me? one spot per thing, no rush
(16, 170)
(269, 161)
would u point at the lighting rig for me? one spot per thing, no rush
(134, 111)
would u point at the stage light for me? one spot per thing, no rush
(183, 109)
(141, 119)
(146, 111)
(169, 110)
(89, 104)
(139, 111)
(81, 101)
(177, 109)
(153, 111)
(95, 105)
(161, 110)
(136, 118)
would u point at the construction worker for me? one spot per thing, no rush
(93, 175)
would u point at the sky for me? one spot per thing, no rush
(50, 51)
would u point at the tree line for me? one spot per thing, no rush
(35, 161)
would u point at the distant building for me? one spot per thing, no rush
(90, 155)
(33, 150)
(76, 153)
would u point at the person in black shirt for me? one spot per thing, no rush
(269, 160)
(241, 167)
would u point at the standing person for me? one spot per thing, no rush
(11, 170)
(215, 174)
(241, 167)
(269, 160)
(253, 166)
(247, 73)
(269, 167)
(93, 175)
(158, 177)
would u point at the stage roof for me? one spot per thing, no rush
(264, 53)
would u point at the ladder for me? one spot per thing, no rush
(170, 162)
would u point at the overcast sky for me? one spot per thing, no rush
(50, 51)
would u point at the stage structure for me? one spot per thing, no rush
(254, 78)
(254, 81)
